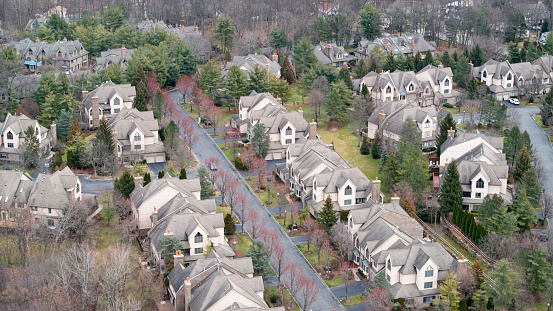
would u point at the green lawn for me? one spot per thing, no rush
(288, 219)
(263, 196)
(245, 243)
(273, 290)
(537, 118)
(337, 280)
(354, 300)
(224, 120)
(223, 209)
(228, 152)
(457, 246)
(312, 259)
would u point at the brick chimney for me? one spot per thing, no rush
(471, 66)
(440, 65)
(427, 238)
(381, 118)
(187, 293)
(395, 199)
(95, 111)
(328, 49)
(376, 190)
(154, 216)
(71, 194)
(168, 233)
(462, 264)
(139, 180)
(275, 57)
(330, 145)
(451, 132)
(414, 46)
(301, 112)
(54, 134)
(178, 258)
(313, 129)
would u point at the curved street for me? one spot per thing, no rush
(206, 147)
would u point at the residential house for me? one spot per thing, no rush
(69, 55)
(20, 86)
(42, 200)
(507, 80)
(156, 194)
(197, 232)
(150, 25)
(331, 54)
(136, 136)
(284, 127)
(430, 86)
(248, 63)
(41, 19)
(388, 241)
(482, 166)
(437, 86)
(387, 120)
(106, 101)
(13, 137)
(216, 283)
(327, 8)
(119, 56)
(406, 44)
(348, 188)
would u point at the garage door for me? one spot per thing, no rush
(160, 158)
(277, 156)
(151, 159)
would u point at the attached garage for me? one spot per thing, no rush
(151, 159)
(277, 156)
(160, 158)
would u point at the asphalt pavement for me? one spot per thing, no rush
(206, 147)
(95, 186)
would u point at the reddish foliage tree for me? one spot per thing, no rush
(310, 226)
(256, 224)
(189, 135)
(309, 292)
(259, 165)
(243, 206)
(379, 298)
(186, 85)
(221, 180)
(197, 97)
(294, 274)
(212, 164)
(248, 155)
(232, 193)
(152, 84)
(270, 238)
(282, 193)
(29, 108)
(319, 238)
(204, 105)
(347, 275)
(215, 116)
(279, 259)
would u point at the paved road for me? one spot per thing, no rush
(301, 239)
(95, 186)
(205, 148)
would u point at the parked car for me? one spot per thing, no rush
(514, 101)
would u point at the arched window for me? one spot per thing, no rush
(137, 137)
(348, 190)
(36, 131)
(389, 90)
(78, 187)
(315, 185)
(480, 183)
(484, 74)
(198, 238)
(446, 82)
(289, 131)
(429, 271)
(520, 82)
(116, 102)
(411, 87)
(389, 264)
(10, 135)
(509, 77)
(427, 124)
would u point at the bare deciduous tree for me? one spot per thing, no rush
(341, 237)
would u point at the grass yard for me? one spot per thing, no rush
(337, 280)
(263, 196)
(354, 300)
(288, 219)
(457, 246)
(245, 243)
(229, 152)
(271, 291)
(223, 209)
(537, 118)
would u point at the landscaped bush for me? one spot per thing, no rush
(245, 140)
(240, 165)
(276, 299)
(365, 147)
(448, 105)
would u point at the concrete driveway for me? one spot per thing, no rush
(206, 148)
(155, 168)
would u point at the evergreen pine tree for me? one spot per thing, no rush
(376, 148)
(142, 97)
(158, 104)
(327, 217)
(31, 148)
(182, 173)
(524, 209)
(428, 59)
(451, 192)
(390, 65)
(478, 273)
(63, 125)
(345, 76)
(105, 136)
(531, 186)
(69, 162)
(477, 56)
(230, 226)
(288, 73)
(447, 123)
(125, 184)
(147, 179)
(160, 174)
(523, 163)
(75, 132)
(546, 109)
(374, 65)
(365, 147)
(418, 62)
(446, 60)
(260, 258)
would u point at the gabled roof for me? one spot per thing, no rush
(19, 123)
(251, 60)
(494, 141)
(180, 202)
(379, 232)
(397, 112)
(492, 173)
(483, 150)
(107, 89)
(184, 186)
(334, 180)
(276, 123)
(52, 190)
(437, 74)
(13, 184)
(127, 120)
(255, 98)
(318, 154)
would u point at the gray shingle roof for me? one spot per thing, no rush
(496, 142)
(107, 90)
(184, 186)
(51, 190)
(492, 173)
(397, 112)
(127, 120)
(251, 60)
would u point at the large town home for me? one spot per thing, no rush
(387, 120)
(216, 283)
(69, 55)
(248, 63)
(118, 57)
(157, 193)
(137, 137)
(407, 44)
(430, 86)
(20, 86)
(43, 198)
(13, 136)
(41, 19)
(331, 54)
(284, 128)
(507, 80)
(348, 188)
(197, 232)
(482, 166)
(106, 101)
(388, 241)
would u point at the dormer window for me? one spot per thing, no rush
(484, 74)
(198, 238)
(427, 124)
(315, 185)
(520, 82)
(389, 264)
(9, 135)
(348, 190)
(509, 77)
(480, 183)
(389, 90)
(289, 131)
(36, 131)
(429, 271)
(446, 82)
(137, 137)
(116, 102)
(411, 87)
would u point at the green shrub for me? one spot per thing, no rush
(245, 140)
(275, 299)
(230, 226)
(365, 147)
(240, 165)
(344, 216)
(448, 105)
